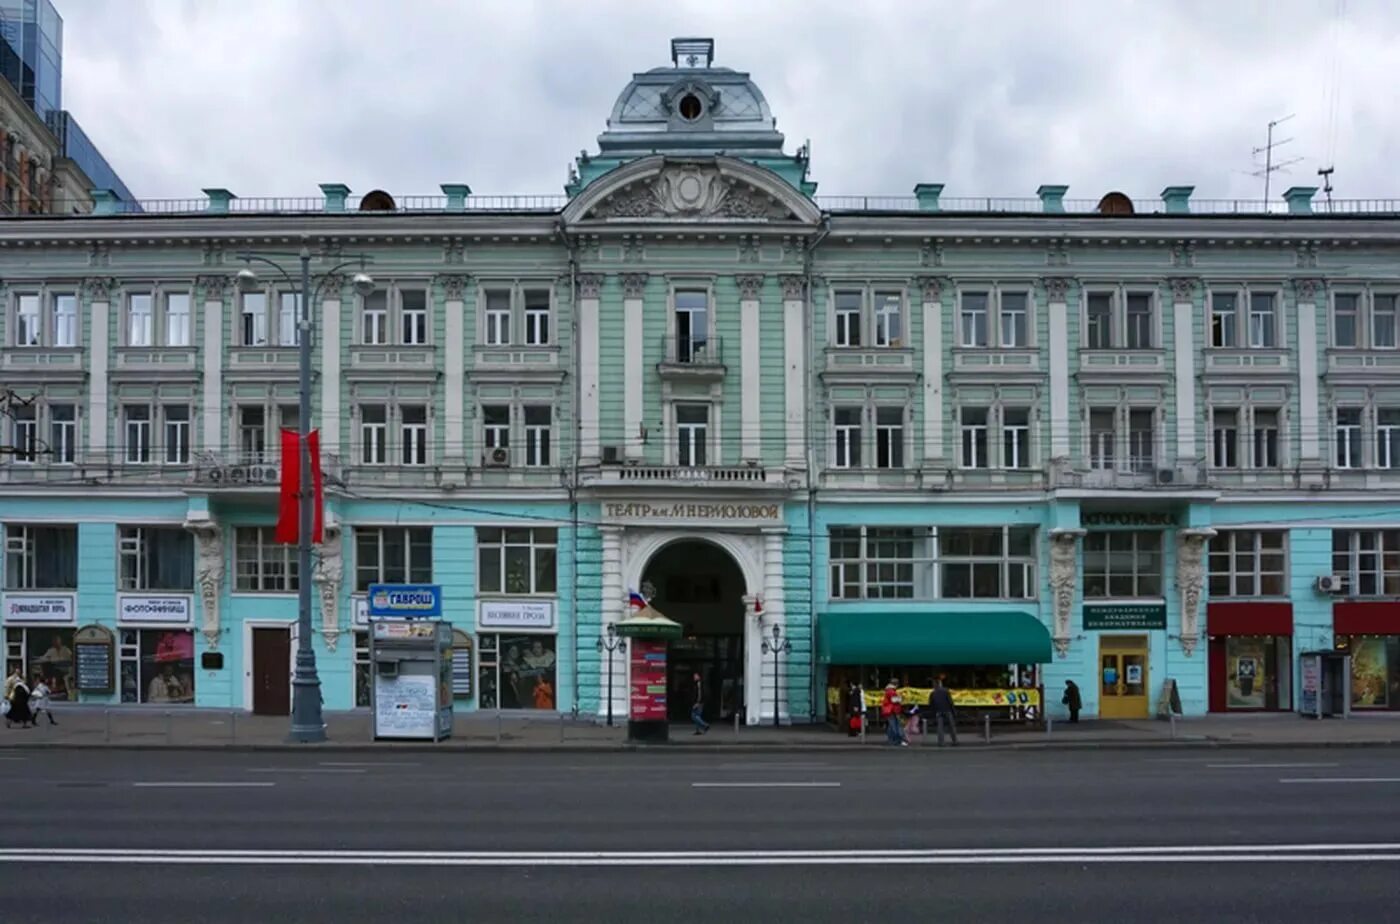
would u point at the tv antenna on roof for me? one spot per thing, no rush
(1270, 168)
(1326, 174)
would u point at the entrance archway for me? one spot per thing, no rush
(702, 587)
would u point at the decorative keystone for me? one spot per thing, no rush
(219, 200)
(456, 194)
(104, 202)
(1052, 198)
(927, 194)
(1177, 199)
(1299, 199)
(336, 194)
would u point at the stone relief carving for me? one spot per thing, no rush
(1056, 287)
(208, 573)
(1057, 254)
(590, 285)
(213, 287)
(931, 287)
(749, 248)
(634, 285)
(99, 254)
(1309, 289)
(690, 191)
(99, 288)
(329, 572)
(931, 252)
(454, 287)
(1190, 578)
(212, 253)
(454, 251)
(1063, 578)
(792, 287)
(1183, 288)
(332, 287)
(1306, 256)
(1183, 254)
(749, 286)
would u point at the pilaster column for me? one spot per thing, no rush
(1056, 295)
(1309, 410)
(1184, 354)
(590, 286)
(330, 569)
(774, 614)
(212, 398)
(931, 289)
(1190, 578)
(633, 345)
(454, 372)
(208, 573)
(750, 341)
(794, 371)
(613, 604)
(330, 366)
(99, 357)
(1064, 575)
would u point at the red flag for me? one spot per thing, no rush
(287, 511)
(313, 442)
(758, 606)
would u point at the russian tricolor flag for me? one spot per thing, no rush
(636, 600)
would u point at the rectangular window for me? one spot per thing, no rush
(881, 563)
(692, 427)
(1346, 315)
(1263, 320)
(177, 319)
(1367, 561)
(848, 436)
(1142, 455)
(289, 417)
(1383, 322)
(413, 434)
(261, 564)
(497, 317)
(974, 316)
(29, 322)
(374, 318)
(1248, 563)
(288, 318)
(1223, 323)
(1103, 438)
(536, 317)
(253, 319)
(1139, 326)
(41, 557)
(495, 427)
(889, 437)
(538, 420)
(1225, 438)
(24, 422)
(692, 325)
(1098, 321)
(63, 433)
(177, 433)
(140, 321)
(156, 558)
(1126, 564)
(1348, 431)
(65, 320)
(1266, 441)
(252, 434)
(1015, 319)
(848, 306)
(413, 316)
(889, 325)
(136, 419)
(157, 666)
(47, 652)
(393, 555)
(517, 561)
(974, 438)
(1388, 437)
(374, 433)
(1015, 437)
(995, 562)
(847, 562)
(517, 672)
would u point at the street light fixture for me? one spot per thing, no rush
(778, 647)
(308, 723)
(612, 644)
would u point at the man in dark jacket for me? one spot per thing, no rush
(940, 702)
(1072, 700)
(697, 707)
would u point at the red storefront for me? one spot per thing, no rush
(1370, 632)
(1251, 656)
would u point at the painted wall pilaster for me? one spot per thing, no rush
(931, 292)
(613, 605)
(330, 368)
(1184, 347)
(794, 371)
(1309, 423)
(633, 343)
(454, 358)
(212, 397)
(590, 287)
(1057, 295)
(750, 424)
(99, 291)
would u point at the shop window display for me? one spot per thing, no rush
(517, 672)
(1375, 670)
(1258, 672)
(45, 654)
(157, 666)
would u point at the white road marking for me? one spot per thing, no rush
(1341, 779)
(1264, 766)
(305, 770)
(367, 763)
(193, 784)
(13, 759)
(765, 785)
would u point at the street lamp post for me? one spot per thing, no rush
(778, 647)
(612, 644)
(308, 723)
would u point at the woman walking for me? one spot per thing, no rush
(18, 703)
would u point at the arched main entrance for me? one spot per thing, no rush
(700, 586)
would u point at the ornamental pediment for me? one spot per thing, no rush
(718, 190)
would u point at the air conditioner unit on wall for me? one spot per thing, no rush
(612, 455)
(215, 475)
(498, 457)
(1329, 584)
(1166, 475)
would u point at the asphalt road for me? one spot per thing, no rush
(1142, 836)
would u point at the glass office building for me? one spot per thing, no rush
(31, 52)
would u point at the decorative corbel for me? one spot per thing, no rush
(209, 573)
(1190, 579)
(1064, 560)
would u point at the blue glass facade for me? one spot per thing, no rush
(31, 52)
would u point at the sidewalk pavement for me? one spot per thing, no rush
(206, 729)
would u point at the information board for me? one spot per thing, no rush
(406, 706)
(648, 680)
(93, 649)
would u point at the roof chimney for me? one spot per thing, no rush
(692, 52)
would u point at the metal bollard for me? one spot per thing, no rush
(736, 723)
(986, 728)
(1049, 725)
(169, 728)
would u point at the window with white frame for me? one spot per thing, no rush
(973, 423)
(41, 557)
(1142, 429)
(1224, 320)
(974, 315)
(1245, 318)
(538, 422)
(1015, 437)
(413, 317)
(374, 434)
(1140, 324)
(1225, 437)
(848, 316)
(393, 555)
(692, 433)
(1120, 319)
(140, 319)
(517, 560)
(495, 427)
(917, 562)
(63, 433)
(1384, 318)
(1098, 321)
(1263, 320)
(252, 433)
(136, 430)
(63, 310)
(1346, 320)
(881, 562)
(413, 434)
(996, 562)
(994, 317)
(889, 437)
(847, 428)
(288, 418)
(178, 319)
(252, 319)
(889, 319)
(497, 317)
(692, 325)
(1103, 438)
(29, 321)
(24, 428)
(261, 564)
(1123, 564)
(1248, 563)
(1265, 448)
(177, 433)
(374, 318)
(159, 558)
(1348, 437)
(1388, 437)
(1367, 561)
(537, 315)
(1014, 315)
(1366, 320)
(288, 318)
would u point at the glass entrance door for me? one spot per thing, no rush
(1123, 677)
(719, 661)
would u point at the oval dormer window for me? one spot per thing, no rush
(690, 107)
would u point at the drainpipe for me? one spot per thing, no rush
(574, 462)
(810, 334)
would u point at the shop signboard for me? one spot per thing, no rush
(405, 706)
(1120, 616)
(919, 696)
(93, 647)
(1312, 685)
(516, 614)
(40, 609)
(174, 610)
(405, 601)
(648, 680)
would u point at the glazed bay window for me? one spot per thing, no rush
(1367, 561)
(881, 562)
(497, 317)
(889, 319)
(1347, 432)
(413, 434)
(1248, 563)
(973, 315)
(393, 555)
(973, 426)
(517, 561)
(41, 557)
(692, 429)
(848, 314)
(1387, 437)
(537, 317)
(374, 434)
(889, 437)
(538, 421)
(413, 317)
(157, 558)
(848, 436)
(136, 433)
(996, 562)
(261, 564)
(1266, 438)
(374, 318)
(1225, 437)
(1123, 564)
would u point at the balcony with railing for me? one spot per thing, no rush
(728, 477)
(692, 358)
(861, 362)
(42, 362)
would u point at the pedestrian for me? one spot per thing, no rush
(913, 725)
(1073, 700)
(697, 707)
(39, 700)
(940, 701)
(890, 709)
(17, 704)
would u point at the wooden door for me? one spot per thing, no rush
(272, 680)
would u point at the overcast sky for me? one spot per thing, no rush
(271, 97)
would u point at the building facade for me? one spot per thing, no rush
(1009, 442)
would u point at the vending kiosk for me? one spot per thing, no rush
(411, 692)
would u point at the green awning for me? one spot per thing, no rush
(875, 637)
